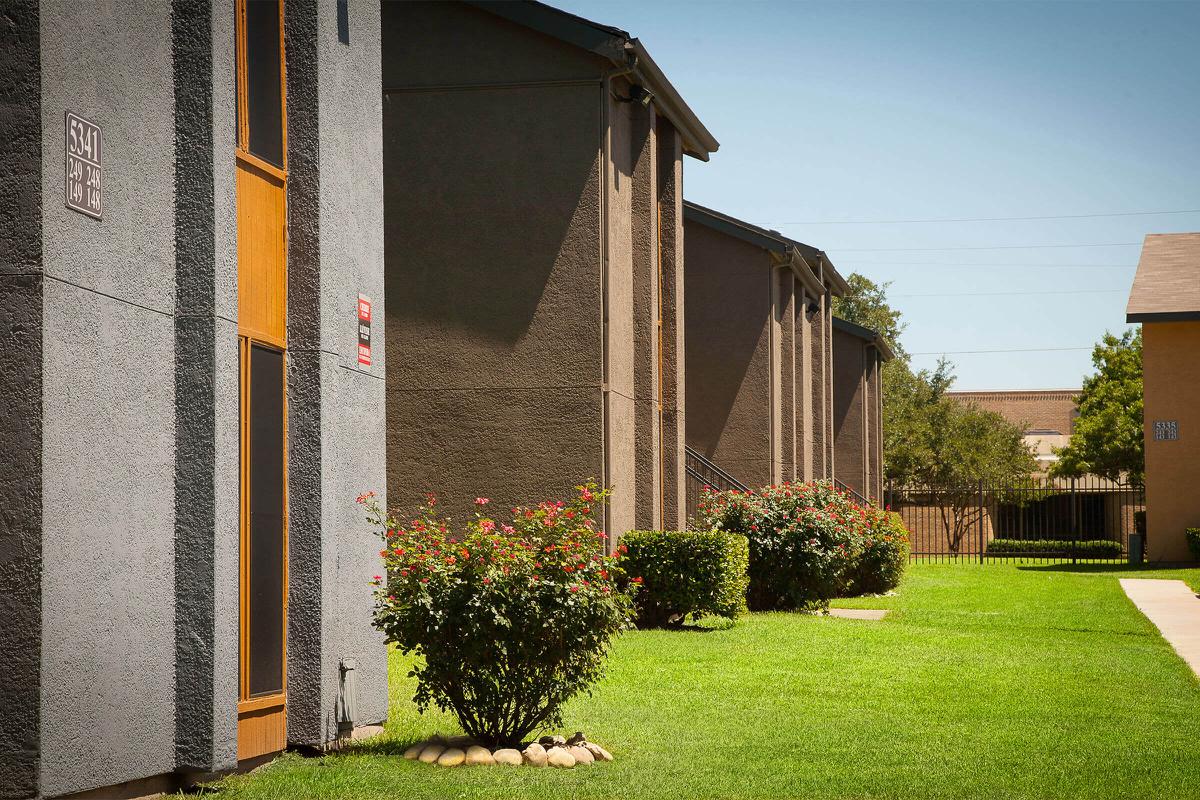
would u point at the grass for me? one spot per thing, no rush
(996, 681)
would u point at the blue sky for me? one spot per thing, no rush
(902, 111)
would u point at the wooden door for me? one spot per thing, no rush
(261, 156)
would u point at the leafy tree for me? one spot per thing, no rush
(1107, 439)
(931, 443)
(965, 447)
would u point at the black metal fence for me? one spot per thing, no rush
(1040, 519)
(703, 473)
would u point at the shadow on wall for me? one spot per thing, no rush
(474, 251)
(729, 309)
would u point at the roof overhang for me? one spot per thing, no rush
(812, 266)
(867, 335)
(624, 51)
(1164, 316)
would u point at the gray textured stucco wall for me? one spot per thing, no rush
(492, 201)
(108, 398)
(728, 319)
(849, 407)
(21, 287)
(353, 426)
(206, 392)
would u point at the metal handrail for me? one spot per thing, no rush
(857, 497)
(703, 470)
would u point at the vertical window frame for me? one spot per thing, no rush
(243, 102)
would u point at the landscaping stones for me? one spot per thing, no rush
(549, 751)
(508, 757)
(535, 755)
(431, 753)
(479, 757)
(451, 757)
(581, 754)
(559, 757)
(598, 752)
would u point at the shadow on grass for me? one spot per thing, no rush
(1101, 568)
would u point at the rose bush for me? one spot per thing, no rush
(511, 619)
(809, 543)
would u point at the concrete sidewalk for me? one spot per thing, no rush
(1174, 609)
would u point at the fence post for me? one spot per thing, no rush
(1074, 522)
(981, 512)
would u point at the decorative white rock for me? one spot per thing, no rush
(550, 741)
(479, 757)
(431, 753)
(414, 752)
(559, 757)
(508, 757)
(598, 752)
(451, 757)
(535, 755)
(581, 754)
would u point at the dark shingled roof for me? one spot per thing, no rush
(1166, 287)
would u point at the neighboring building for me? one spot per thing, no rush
(858, 357)
(759, 339)
(181, 386)
(1047, 416)
(1165, 299)
(533, 164)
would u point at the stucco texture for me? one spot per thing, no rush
(728, 298)
(1171, 375)
(494, 328)
(108, 404)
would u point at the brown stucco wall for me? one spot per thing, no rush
(850, 418)
(670, 207)
(1171, 364)
(728, 298)
(493, 250)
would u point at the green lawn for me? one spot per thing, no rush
(996, 681)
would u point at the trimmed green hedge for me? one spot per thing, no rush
(687, 573)
(1085, 548)
(1193, 540)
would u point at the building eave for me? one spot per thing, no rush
(619, 47)
(867, 335)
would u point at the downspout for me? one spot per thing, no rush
(605, 162)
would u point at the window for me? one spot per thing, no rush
(262, 72)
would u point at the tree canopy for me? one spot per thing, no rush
(1108, 439)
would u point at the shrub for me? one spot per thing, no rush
(805, 540)
(1084, 548)
(884, 556)
(1193, 542)
(511, 620)
(687, 572)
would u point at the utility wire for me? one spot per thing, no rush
(1007, 294)
(977, 264)
(985, 219)
(1018, 350)
(989, 247)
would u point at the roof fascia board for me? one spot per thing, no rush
(806, 274)
(698, 142)
(733, 227)
(866, 334)
(1163, 316)
(602, 40)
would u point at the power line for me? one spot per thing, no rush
(996, 294)
(986, 219)
(989, 247)
(977, 264)
(1019, 350)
